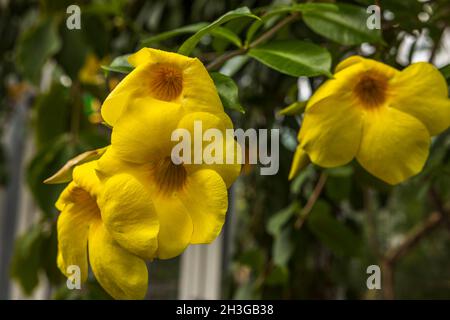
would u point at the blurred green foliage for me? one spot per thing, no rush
(281, 249)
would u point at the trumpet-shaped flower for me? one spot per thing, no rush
(164, 76)
(117, 236)
(190, 198)
(372, 112)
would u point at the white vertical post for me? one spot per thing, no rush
(201, 271)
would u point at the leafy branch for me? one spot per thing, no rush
(219, 61)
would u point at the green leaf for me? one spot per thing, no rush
(299, 180)
(228, 35)
(51, 114)
(283, 248)
(26, 259)
(35, 46)
(228, 91)
(296, 108)
(120, 64)
(253, 258)
(347, 25)
(294, 57)
(331, 232)
(52, 155)
(446, 72)
(279, 219)
(192, 28)
(279, 275)
(219, 32)
(283, 9)
(340, 172)
(187, 47)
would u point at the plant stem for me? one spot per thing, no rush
(411, 240)
(264, 37)
(311, 201)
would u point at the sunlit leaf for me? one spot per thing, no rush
(187, 47)
(347, 25)
(120, 65)
(192, 28)
(228, 91)
(293, 109)
(294, 57)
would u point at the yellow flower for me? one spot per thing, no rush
(116, 235)
(190, 199)
(164, 76)
(372, 112)
(90, 72)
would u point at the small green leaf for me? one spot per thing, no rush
(279, 219)
(340, 172)
(192, 28)
(296, 108)
(294, 57)
(228, 91)
(35, 46)
(446, 72)
(228, 35)
(283, 247)
(253, 258)
(51, 114)
(120, 64)
(347, 25)
(49, 156)
(331, 232)
(26, 260)
(187, 47)
(279, 275)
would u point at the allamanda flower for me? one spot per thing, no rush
(164, 76)
(117, 236)
(190, 200)
(372, 112)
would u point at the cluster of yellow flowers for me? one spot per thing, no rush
(134, 204)
(372, 112)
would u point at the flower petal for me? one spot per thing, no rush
(73, 226)
(206, 199)
(129, 215)
(175, 226)
(221, 122)
(143, 134)
(86, 178)
(347, 72)
(119, 272)
(394, 145)
(300, 161)
(348, 62)
(421, 91)
(331, 131)
(195, 89)
(199, 92)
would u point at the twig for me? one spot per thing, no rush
(414, 236)
(412, 239)
(311, 201)
(264, 37)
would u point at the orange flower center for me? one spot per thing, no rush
(166, 82)
(169, 177)
(371, 90)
